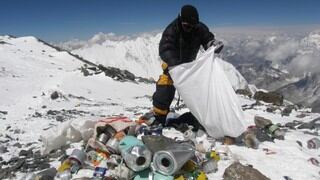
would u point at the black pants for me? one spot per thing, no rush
(164, 94)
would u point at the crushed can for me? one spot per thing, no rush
(100, 171)
(104, 137)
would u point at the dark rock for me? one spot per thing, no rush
(18, 145)
(3, 149)
(1, 159)
(145, 80)
(44, 106)
(54, 95)
(287, 110)
(311, 133)
(3, 42)
(4, 112)
(60, 118)
(52, 112)
(19, 164)
(47, 174)
(270, 97)
(13, 160)
(17, 131)
(244, 92)
(6, 173)
(85, 71)
(308, 125)
(287, 178)
(263, 136)
(117, 74)
(57, 154)
(299, 143)
(26, 153)
(293, 124)
(262, 122)
(29, 144)
(43, 166)
(237, 171)
(302, 115)
(269, 109)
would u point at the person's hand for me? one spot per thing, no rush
(217, 44)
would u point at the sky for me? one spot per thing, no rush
(61, 20)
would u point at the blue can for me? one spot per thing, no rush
(99, 172)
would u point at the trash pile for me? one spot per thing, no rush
(124, 149)
(120, 148)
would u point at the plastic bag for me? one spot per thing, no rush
(207, 92)
(65, 133)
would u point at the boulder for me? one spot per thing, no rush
(237, 171)
(54, 95)
(287, 110)
(244, 92)
(269, 97)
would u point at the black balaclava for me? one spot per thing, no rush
(189, 14)
(189, 19)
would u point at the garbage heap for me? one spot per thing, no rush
(124, 149)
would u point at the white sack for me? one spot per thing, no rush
(68, 132)
(208, 94)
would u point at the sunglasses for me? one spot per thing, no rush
(187, 25)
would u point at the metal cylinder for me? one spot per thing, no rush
(169, 161)
(136, 155)
(104, 137)
(79, 155)
(113, 145)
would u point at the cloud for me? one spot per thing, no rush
(296, 51)
(294, 48)
(302, 64)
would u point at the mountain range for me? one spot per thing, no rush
(271, 61)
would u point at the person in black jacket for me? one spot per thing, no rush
(180, 43)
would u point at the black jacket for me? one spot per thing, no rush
(177, 47)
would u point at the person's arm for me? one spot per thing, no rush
(168, 50)
(208, 39)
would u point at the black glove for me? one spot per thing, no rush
(217, 44)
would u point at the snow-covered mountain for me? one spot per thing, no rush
(269, 61)
(41, 88)
(31, 70)
(138, 54)
(274, 60)
(306, 91)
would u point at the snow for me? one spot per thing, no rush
(138, 55)
(30, 71)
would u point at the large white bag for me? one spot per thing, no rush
(208, 94)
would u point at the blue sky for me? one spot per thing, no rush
(59, 20)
